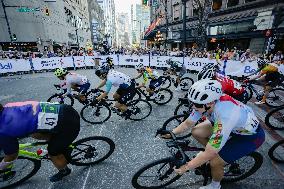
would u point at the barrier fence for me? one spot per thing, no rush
(233, 68)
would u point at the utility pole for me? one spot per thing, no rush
(76, 30)
(184, 22)
(167, 23)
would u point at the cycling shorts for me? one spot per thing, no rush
(126, 94)
(154, 83)
(241, 145)
(273, 77)
(84, 88)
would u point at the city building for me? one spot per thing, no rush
(44, 25)
(97, 23)
(254, 24)
(108, 8)
(122, 22)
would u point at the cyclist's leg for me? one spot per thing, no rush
(10, 146)
(127, 96)
(119, 98)
(202, 132)
(83, 90)
(151, 88)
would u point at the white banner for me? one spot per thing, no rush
(46, 63)
(79, 61)
(133, 60)
(66, 62)
(10, 66)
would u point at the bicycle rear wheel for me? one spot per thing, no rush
(276, 152)
(157, 174)
(140, 109)
(95, 113)
(163, 96)
(243, 167)
(275, 98)
(57, 98)
(275, 119)
(91, 150)
(166, 82)
(23, 169)
(185, 83)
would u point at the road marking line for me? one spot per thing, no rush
(85, 182)
(278, 169)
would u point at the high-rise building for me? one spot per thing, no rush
(122, 22)
(43, 25)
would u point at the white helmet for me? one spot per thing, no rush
(205, 91)
(207, 72)
(139, 66)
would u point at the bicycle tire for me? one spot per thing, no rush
(186, 87)
(93, 138)
(58, 95)
(270, 115)
(176, 120)
(37, 165)
(164, 82)
(84, 112)
(136, 176)
(131, 105)
(137, 95)
(249, 92)
(184, 107)
(258, 160)
(165, 102)
(273, 148)
(270, 101)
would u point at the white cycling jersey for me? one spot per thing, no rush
(229, 116)
(74, 79)
(115, 78)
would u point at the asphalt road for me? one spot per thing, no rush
(135, 142)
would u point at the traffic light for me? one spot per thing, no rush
(46, 11)
(14, 37)
(145, 2)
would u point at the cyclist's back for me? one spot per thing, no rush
(118, 78)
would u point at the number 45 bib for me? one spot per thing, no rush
(48, 115)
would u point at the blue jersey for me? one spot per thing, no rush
(23, 118)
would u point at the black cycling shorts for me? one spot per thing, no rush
(273, 77)
(66, 131)
(126, 94)
(154, 83)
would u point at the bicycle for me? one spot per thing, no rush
(184, 106)
(163, 96)
(275, 118)
(69, 99)
(276, 152)
(84, 152)
(164, 174)
(185, 82)
(95, 110)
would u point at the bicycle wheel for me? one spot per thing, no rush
(242, 168)
(157, 174)
(163, 96)
(166, 82)
(183, 109)
(249, 93)
(23, 169)
(92, 94)
(276, 152)
(95, 114)
(91, 150)
(137, 95)
(175, 121)
(275, 97)
(185, 83)
(69, 100)
(140, 109)
(275, 119)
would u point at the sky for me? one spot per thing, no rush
(125, 5)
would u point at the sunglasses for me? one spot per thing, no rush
(198, 105)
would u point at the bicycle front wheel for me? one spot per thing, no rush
(276, 152)
(183, 109)
(140, 109)
(95, 114)
(91, 150)
(175, 121)
(243, 167)
(275, 98)
(166, 82)
(275, 119)
(57, 98)
(157, 174)
(185, 83)
(23, 169)
(163, 96)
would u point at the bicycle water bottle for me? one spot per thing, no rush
(42, 152)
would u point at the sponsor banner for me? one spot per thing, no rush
(46, 63)
(66, 62)
(133, 60)
(90, 61)
(159, 61)
(10, 66)
(79, 61)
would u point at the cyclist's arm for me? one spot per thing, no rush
(102, 84)
(138, 76)
(108, 88)
(68, 89)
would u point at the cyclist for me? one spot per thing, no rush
(268, 76)
(148, 73)
(75, 81)
(56, 123)
(229, 86)
(230, 131)
(124, 93)
(109, 61)
(174, 68)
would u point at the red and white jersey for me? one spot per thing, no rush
(230, 86)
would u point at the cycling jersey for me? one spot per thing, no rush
(22, 118)
(150, 74)
(117, 79)
(269, 68)
(74, 79)
(230, 86)
(229, 116)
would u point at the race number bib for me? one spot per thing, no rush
(47, 120)
(252, 123)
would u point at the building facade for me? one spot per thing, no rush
(122, 22)
(232, 23)
(44, 25)
(97, 22)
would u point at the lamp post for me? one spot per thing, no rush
(184, 22)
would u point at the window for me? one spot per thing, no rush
(176, 12)
(232, 3)
(216, 5)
